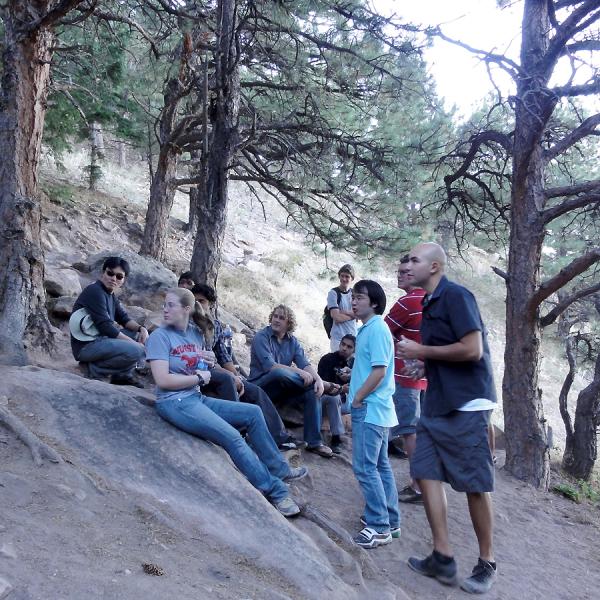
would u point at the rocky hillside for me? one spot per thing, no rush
(136, 509)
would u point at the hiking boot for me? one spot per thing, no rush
(287, 507)
(296, 473)
(369, 538)
(409, 495)
(482, 578)
(432, 567)
(126, 380)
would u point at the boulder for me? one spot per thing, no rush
(62, 307)
(61, 282)
(139, 314)
(122, 461)
(228, 318)
(147, 281)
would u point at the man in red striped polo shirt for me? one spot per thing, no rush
(404, 319)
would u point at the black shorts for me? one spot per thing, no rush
(454, 448)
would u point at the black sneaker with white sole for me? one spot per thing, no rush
(409, 495)
(482, 578)
(369, 538)
(430, 566)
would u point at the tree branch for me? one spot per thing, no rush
(563, 304)
(568, 273)
(135, 25)
(587, 127)
(501, 273)
(586, 89)
(511, 67)
(566, 206)
(60, 10)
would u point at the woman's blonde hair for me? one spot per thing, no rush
(289, 315)
(200, 316)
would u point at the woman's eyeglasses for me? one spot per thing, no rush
(119, 276)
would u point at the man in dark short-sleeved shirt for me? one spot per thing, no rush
(452, 435)
(278, 365)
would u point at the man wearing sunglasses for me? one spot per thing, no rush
(109, 350)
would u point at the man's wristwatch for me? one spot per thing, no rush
(201, 381)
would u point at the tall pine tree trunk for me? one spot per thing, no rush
(581, 447)
(162, 188)
(212, 217)
(527, 455)
(26, 58)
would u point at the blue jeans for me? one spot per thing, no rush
(373, 472)
(109, 356)
(216, 420)
(332, 405)
(283, 385)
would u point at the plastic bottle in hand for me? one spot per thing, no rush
(412, 366)
(228, 337)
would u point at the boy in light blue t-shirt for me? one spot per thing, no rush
(371, 390)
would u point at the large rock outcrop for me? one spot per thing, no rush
(126, 468)
(147, 282)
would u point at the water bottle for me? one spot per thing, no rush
(412, 364)
(228, 337)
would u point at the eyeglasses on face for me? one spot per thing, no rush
(119, 276)
(171, 305)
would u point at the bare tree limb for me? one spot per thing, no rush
(508, 65)
(564, 303)
(566, 274)
(566, 206)
(500, 273)
(586, 128)
(586, 89)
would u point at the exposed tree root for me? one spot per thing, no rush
(39, 450)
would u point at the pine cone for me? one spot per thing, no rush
(152, 569)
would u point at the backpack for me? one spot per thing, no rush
(327, 318)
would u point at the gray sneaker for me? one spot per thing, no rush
(369, 538)
(287, 507)
(482, 578)
(395, 531)
(296, 473)
(431, 567)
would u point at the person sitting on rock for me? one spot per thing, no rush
(186, 280)
(334, 368)
(176, 353)
(228, 384)
(106, 348)
(273, 351)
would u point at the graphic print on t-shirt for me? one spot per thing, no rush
(187, 355)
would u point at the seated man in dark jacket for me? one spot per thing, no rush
(227, 383)
(107, 349)
(334, 368)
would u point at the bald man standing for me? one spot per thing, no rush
(452, 435)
